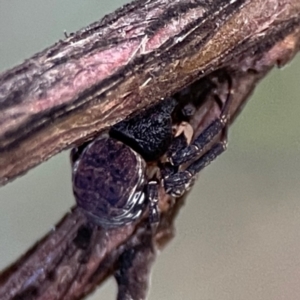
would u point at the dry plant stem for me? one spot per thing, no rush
(132, 58)
(134, 266)
(99, 255)
(62, 264)
(98, 76)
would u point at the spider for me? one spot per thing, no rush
(112, 181)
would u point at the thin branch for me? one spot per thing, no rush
(98, 76)
(77, 256)
(141, 53)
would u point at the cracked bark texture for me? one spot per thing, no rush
(150, 59)
(77, 256)
(130, 59)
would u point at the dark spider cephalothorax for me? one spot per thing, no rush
(110, 179)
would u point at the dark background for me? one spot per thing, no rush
(238, 236)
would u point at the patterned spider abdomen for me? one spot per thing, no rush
(108, 182)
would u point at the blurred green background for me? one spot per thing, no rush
(238, 236)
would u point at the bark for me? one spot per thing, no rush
(130, 59)
(77, 256)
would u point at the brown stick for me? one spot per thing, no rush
(247, 42)
(132, 58)
(72, 260)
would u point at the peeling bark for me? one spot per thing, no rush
(130, 59)
(71, 91)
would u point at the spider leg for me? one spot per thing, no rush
(214, 128)
(152, 195)
(178, 183)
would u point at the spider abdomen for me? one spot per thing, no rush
(108, 182)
